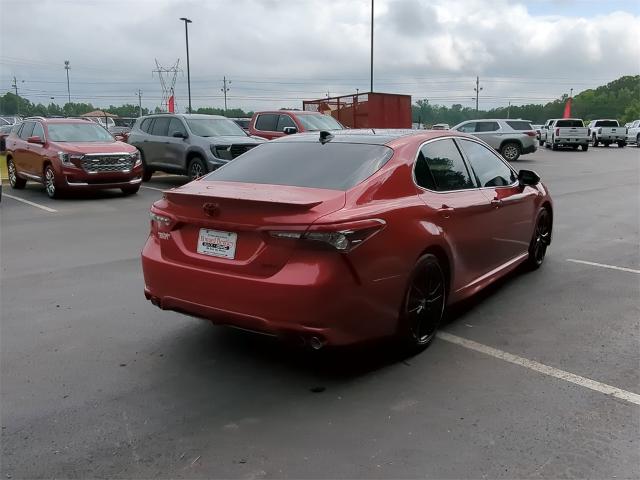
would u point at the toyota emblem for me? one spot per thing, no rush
(211, 209)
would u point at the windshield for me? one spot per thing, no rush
(334, 166)
(214, 127)
(319, 122)
(78, 132)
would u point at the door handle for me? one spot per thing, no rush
(496, 203)
(446, 211)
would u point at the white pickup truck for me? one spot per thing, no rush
(633, 133)
(565, 132)
(607, 132)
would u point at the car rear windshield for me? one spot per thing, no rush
(569, 123)
(607, 123)
(519, 125)
(78, 132)
(319, 122)
(214, 127)
(333, 166)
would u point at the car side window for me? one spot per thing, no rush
(487, 126)
(26, 130)
(285, 121)
(38, 131)
(176, 125)
(161, 126)
(440, 167)
(490, 170)
(146, 124)
(468, 127)
(267, 122)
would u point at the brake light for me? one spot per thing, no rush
(600, 130)
(159, 223)
(531, 134)
(557, 132)
(344, 237)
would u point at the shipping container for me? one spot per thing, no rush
(365, 110)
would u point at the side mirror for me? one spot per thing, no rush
(179, 134)
(35, 139)
(528, 177)
(290, 130)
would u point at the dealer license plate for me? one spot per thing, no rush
(217, 243)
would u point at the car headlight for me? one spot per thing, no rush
(137, 160)
(67, 159)
(222, 152)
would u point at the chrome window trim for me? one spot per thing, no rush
(467, 164)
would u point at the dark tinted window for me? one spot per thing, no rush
(146, 124)
(607, 123)
(519, 125)
(490, 170)
(569, 123)
(161, 126)
(176, 125)
(285, 121)
(242, 123)
(487, 126)
(27, 130)
(213, 127)
(334, 166)
(38, 131)
(444, 162)
(467, 127)
(78, 132)
(267, 122)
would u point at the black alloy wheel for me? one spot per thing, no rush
(541, 239)
(196, 168)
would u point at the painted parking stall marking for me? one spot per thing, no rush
(542, 368)
(33, 204)
(154, 188)
(604, 265)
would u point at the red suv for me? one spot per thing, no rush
(70, 154)
(278, 123)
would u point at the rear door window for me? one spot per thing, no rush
(486, 127)
(440, 167)
(27, 130)
(161, 126)
(490, 170)
(145, 126)
(267, 122)
(519, 125)
(334, 166)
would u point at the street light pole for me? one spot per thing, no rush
(186, 35)
(67, 68)
(371, 86)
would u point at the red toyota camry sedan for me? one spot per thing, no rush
(339, 237)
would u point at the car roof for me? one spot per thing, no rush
(187, 116)
(58, 119)
(293, 112)
(371, 136)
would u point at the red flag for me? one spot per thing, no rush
(567, 108)
(172, 104)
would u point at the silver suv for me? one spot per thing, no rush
(511, 138)
(188, 144)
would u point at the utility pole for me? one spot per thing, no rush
(67, 68)
(224, 90)
(509, 110)
(570, 94)
(15, 85)
(477, 89)
(186, 36)
(140, 101)
(371, 86)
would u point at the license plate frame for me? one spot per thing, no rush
(217, 243)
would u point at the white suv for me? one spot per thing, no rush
(512, 137)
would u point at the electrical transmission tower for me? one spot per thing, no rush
(167, 78)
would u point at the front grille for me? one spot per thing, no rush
(107, 163)
(229, 152)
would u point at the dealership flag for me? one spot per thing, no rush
(172, 104)
(567, 108)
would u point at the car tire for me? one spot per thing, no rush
(585, 147)
(622, 144)
(132, 190)
(14, 180)
(196, 168)
(510, 151)
(50, 182)
(575, 147)
(594, 140)
(606, 144)
(554, 146)
(540, 143)
(423, 305)
(147, 172)
(638, 141)
(541, 239)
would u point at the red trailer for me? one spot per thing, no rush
(365, 110)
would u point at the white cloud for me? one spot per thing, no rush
(429, 49)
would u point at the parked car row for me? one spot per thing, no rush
(571, 132)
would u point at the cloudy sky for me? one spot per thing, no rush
(278, 52)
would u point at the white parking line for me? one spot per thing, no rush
(541, 368)
(154, 188)
(33, 204)
(604, 265)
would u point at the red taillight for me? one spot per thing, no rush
(557, 132)
(344, 237)
(532, 134)
(159, 223)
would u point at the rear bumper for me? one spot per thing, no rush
(302, 300)
(611, 138)
(571, 141)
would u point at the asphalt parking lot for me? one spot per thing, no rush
(97, 382)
